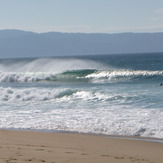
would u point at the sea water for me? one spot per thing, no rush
(104, 94)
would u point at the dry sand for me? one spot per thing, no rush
(39, 147)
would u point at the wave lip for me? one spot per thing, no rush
(117, 73)
(124, 74)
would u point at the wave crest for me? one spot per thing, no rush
(119, 75)
(86, 75)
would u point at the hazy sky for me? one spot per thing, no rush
(88, 16)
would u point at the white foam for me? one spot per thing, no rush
(136, 122)
(123, 73)
(32, 94)
(78, 110)
(57, 94)
(24, 76)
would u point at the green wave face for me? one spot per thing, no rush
(71, 76)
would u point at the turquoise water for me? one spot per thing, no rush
(106, 94)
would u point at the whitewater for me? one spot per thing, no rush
(104, 94)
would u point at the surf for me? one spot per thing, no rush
(114, 95)
(79, 76)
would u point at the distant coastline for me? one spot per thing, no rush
(18, 44)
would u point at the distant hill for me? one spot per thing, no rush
(16, 43)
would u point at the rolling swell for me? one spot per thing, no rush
(79, 76)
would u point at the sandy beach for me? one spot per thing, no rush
(37, 147)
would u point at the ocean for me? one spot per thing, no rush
(102, 94)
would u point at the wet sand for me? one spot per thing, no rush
(39, 147)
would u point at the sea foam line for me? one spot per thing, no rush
(124, 122)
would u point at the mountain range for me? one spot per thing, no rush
(17, 43)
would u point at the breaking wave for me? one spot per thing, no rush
(44, 94)
(68, 70)
(85, 75)
(126, 75)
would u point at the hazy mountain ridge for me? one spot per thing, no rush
(16, 43)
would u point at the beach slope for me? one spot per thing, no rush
(38, 147)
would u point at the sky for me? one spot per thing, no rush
(84, 16)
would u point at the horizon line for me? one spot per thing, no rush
(14, 29)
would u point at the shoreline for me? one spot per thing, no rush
(130, 137)
(50, 147)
